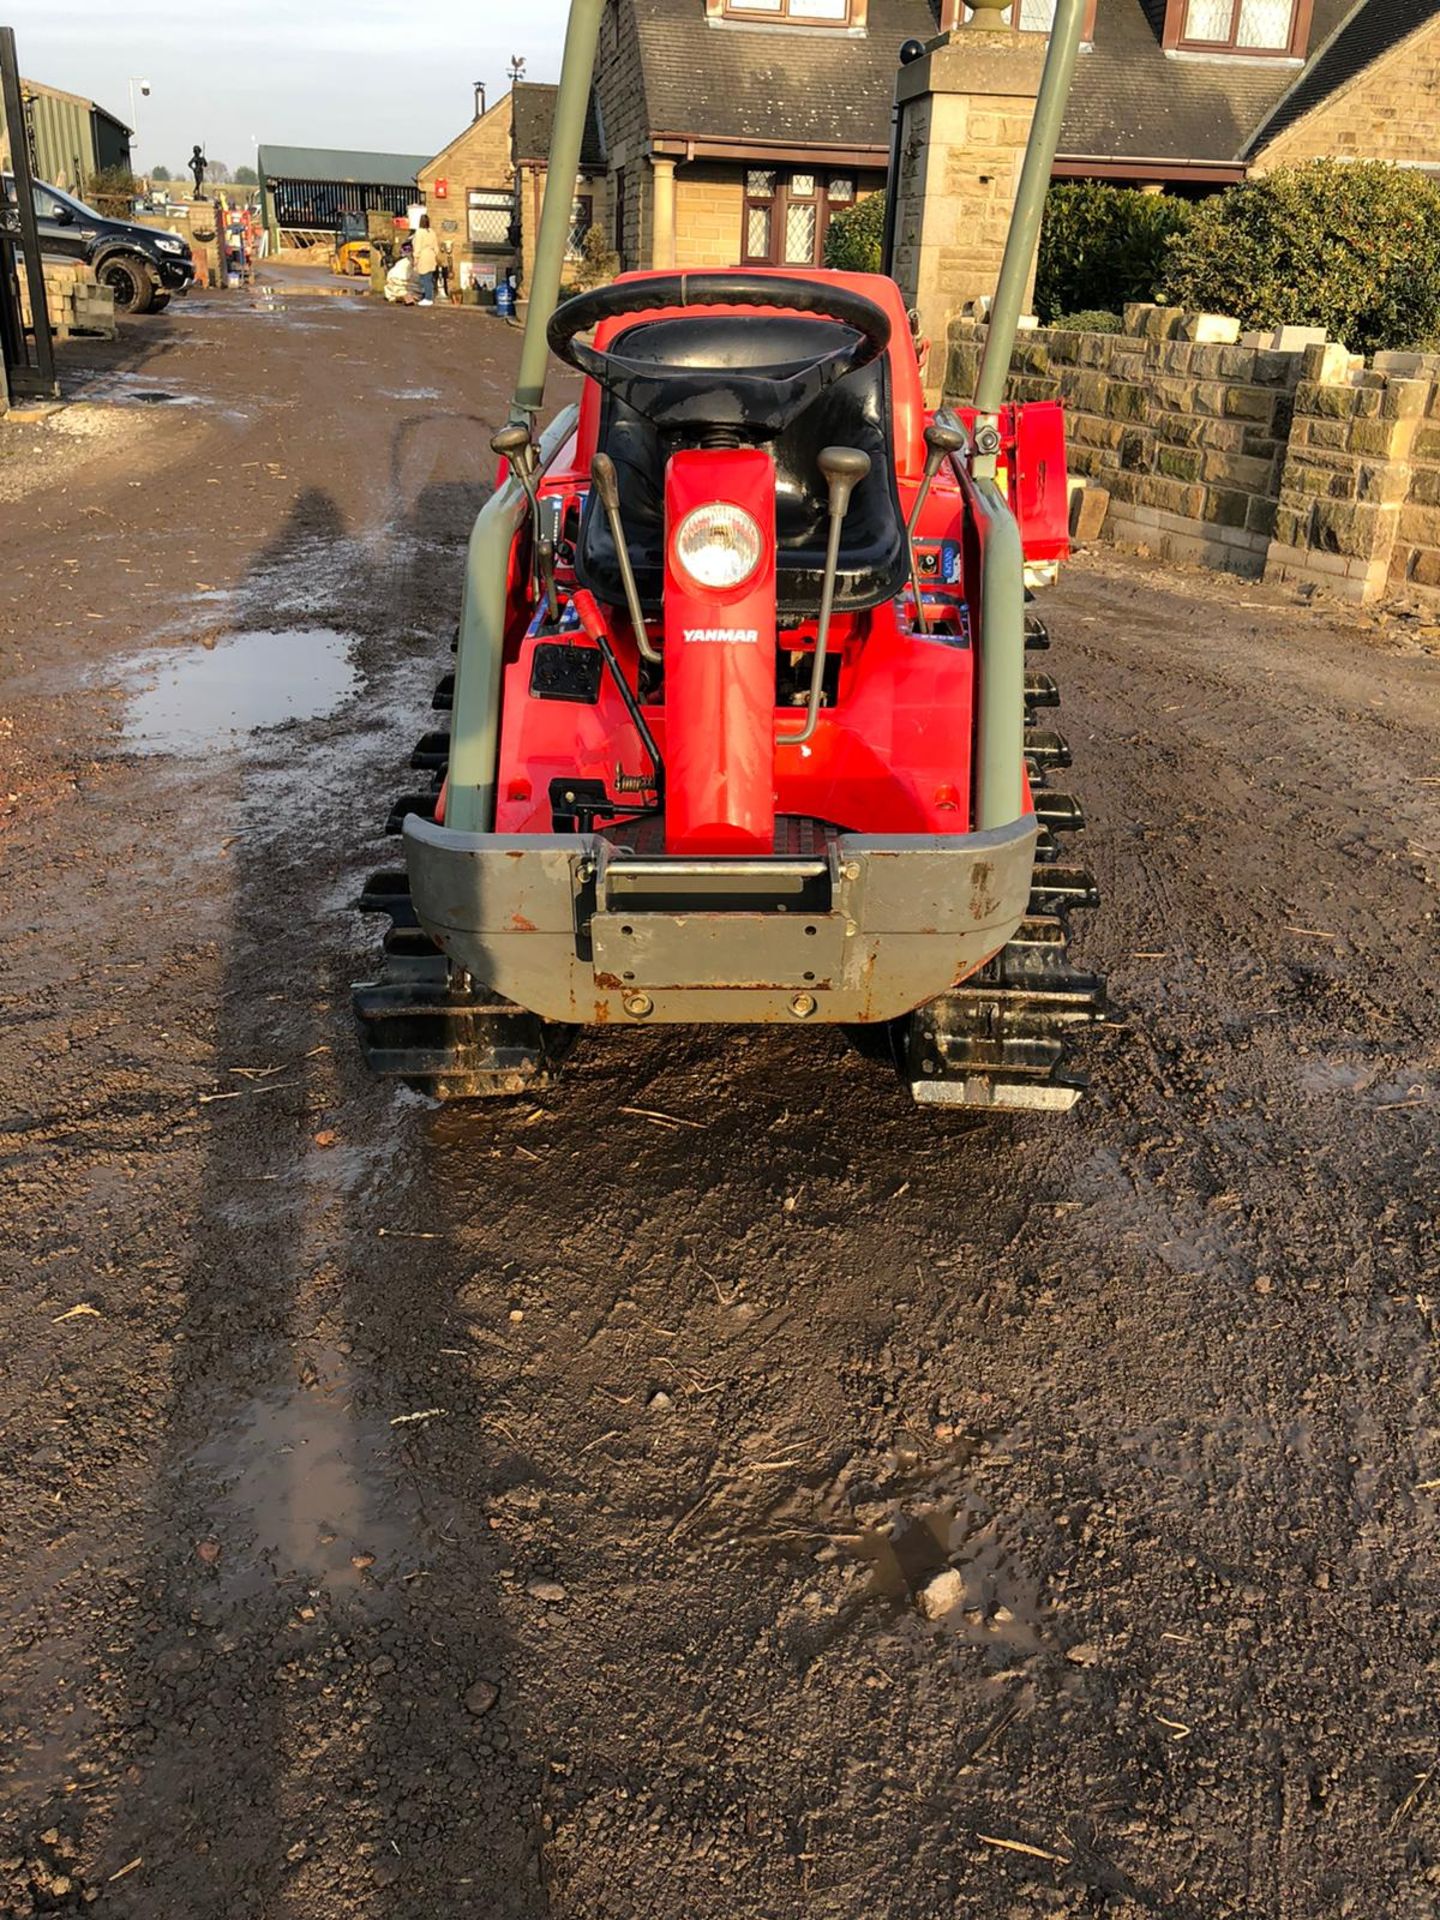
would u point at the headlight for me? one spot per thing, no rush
(172, 246)
(719, 546)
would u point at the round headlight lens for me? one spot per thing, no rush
(719, 546)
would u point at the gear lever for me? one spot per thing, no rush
(606, 483)
(514, 444)
(844, 468)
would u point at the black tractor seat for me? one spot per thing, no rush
(853, 412)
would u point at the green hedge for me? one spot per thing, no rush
(1351, 248)
(852, 240)
(1101, 246)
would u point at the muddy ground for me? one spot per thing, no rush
(519, 1511)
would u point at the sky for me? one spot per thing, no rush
(307, 73)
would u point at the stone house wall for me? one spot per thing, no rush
(620, 92)
(709, 214)
(1386, 113)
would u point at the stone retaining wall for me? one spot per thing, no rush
(1278, 455)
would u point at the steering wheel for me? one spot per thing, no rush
(673, 393)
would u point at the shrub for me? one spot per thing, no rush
(112, 192)
(1094, 320)
(1101, 246)
(852, 240)
(598, 263)
(1351, 248)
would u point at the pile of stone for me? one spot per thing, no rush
(75, 300)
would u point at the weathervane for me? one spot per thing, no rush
(517, 69)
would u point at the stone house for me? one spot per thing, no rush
(729, 131)
(484, 190)
(1192, 95)
(469, 193)
(733, 129)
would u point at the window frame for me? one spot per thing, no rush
(1175, 41)
(954, 13)
(781, 16)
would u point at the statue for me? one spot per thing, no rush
(198, 164)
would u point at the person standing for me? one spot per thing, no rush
(427, 259)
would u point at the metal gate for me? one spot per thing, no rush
(29, 361)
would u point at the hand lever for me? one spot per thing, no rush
(514, 444)
(606, 483)
(844, 468)
(942, 442)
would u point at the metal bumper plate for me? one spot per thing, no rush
(571, 928)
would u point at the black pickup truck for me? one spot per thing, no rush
(141, 266)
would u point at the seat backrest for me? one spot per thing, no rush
(854, 412)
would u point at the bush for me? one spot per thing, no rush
(1094, 320)
(112, 192)
(1351, 248)
(1101, 246)
(598, 263)
(852, 240)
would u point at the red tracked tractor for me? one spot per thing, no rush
(741, 727)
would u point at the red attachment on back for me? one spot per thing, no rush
(720, 669)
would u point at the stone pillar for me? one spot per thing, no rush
(1347, 472)
(663, 256)
(966, 108)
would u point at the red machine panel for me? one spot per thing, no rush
(720, 653)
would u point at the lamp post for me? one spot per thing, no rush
(144, 86)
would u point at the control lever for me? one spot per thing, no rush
(515, 445)
(606, 483)
(844, 468)
(942, 442)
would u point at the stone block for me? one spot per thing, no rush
(1404, 399)
(1423, 568)
(1261, 516)
(1275, 369)
(1136, 454)
(1375, 439)
(1407, 364)
(1088, 509)
(1419, 526)
(1237, 363)
(1382, 481)
(1292, 526)
(1182, 430)
(1297, 339)
(1209, 329)
(1240, 471)
(1226, 509)
(1426, 444)
(1176, 356)
(1180, 463)
(1425, 487)
(1250, 403)
(1332, 435)
(1327, 402)
(1345, 527)
(1128, 402)
(1176, 394)
(1328, 366)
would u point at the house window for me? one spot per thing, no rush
(1038, 16)
(1238, 26)
(489, 211)
(815, 13)
(582, 218)
(786, 215)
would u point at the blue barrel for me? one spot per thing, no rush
(505, 299)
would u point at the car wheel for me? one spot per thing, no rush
(132, 283)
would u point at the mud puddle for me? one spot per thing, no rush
(306, 1489)
(209, 699)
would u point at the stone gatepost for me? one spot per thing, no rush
(966, 107)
